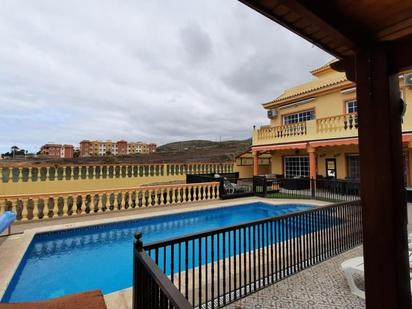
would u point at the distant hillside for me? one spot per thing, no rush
(178, 152)
(229, 148)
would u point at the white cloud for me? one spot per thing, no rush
(140, 70)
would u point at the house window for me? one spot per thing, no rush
(353, 166)
(299, 117)
(296, 166)
(351, 107)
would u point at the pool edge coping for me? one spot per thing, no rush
(7, 273)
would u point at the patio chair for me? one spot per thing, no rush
(351, 267)
(356, 266)
(229, 187)
(6, 220)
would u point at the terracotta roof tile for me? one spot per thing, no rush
(323, 82)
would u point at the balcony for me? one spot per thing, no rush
(339, 126)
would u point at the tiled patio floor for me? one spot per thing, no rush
(319, 287)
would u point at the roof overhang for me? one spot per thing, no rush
(344, 28)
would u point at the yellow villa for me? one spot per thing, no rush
(313, 131)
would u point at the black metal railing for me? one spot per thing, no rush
(214, 268)
(151, 287)
(231, 186)
(321, 188)
(328, 189)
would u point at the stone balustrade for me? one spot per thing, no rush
(288, 130)
(339, 126)
(64, 204)
(107, 171)
(339, 123)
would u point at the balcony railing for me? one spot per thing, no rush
(338, 126)
(217, 267)
(64, 204)
(295, 129)
(340, 123)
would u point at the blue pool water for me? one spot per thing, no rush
(100, 257)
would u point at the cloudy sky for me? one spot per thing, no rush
(158, 70)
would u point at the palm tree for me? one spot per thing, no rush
(14, 149)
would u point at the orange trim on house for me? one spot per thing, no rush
(280, 147)
(339, 142)
(407, 137)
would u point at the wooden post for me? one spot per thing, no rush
(382, 188)
(255, 163)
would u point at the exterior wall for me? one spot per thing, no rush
(327, 96)
(329, 106)
(102, 148)
(50, 179)
(277, 159)
(339, 153)
(244, 165)
(68, 151)
(53, 151)
(57, 151)
(245, 171)
(85, 148)
(121, 147)
(152, 148)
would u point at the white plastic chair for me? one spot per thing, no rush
(355, 266)
(351, 267)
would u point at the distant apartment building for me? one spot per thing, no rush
(122, 148)
(57, 151)
(152, 148)
(101, 148)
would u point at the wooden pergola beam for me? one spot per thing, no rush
(401, 55)
(340, 41)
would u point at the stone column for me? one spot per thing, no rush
(312, 162)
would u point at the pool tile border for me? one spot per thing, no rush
(14, 247)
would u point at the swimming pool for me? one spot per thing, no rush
(100, 257)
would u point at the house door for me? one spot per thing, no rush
(331, 168)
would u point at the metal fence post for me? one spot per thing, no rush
(265, 189)
(137, 248)
(313, 187)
